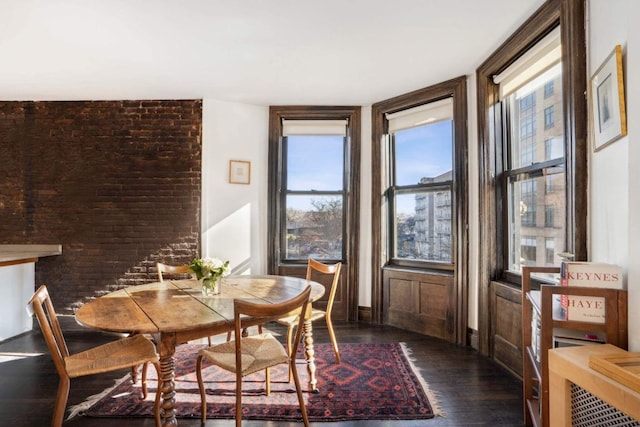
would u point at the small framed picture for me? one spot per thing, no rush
(607, 101)
(239, 172)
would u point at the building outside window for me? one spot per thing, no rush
(534, 174)
(421, 180)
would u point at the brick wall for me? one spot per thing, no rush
(117, 183)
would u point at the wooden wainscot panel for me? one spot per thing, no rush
(402, 297)
(419, 302)
(506, 326)
(433, 300)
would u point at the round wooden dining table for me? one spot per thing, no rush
(175, 311)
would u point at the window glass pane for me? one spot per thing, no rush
(553, 148)
(549, 121)
(536, 204)
(315, 162)
(533, 120)
(314, 227)
(423, 226)
(423, 152)
(548, 89)
(528, 250)
(536, 223)
(550, 251)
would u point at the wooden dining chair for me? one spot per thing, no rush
(171, 269)
(292, 321)
(246, 355)
(115, 355)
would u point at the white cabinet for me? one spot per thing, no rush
(17, 284)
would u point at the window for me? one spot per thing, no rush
(548, 117)
(548, 89)
(419, 195)
(310, 207)
(527, 202)
(548, 216)
(553, 148)
(554, 182)
(550, 252)
(314, 191)
(528, 247)
(564, 155)
(533, 182)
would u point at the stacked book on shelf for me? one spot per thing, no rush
(570, 337)
(576, 308)
(592, 275)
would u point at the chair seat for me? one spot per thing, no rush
(292, 320)
(258, 353)
(123, 353)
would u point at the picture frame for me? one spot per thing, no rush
(607, 101)
(239, 172)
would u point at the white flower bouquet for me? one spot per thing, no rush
(209, 271)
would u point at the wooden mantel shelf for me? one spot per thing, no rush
(19, 254)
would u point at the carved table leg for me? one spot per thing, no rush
(167, 373)
(309, 355)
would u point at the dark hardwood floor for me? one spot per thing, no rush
(472, 390)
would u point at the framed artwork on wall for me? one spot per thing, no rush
(607, 101)
(239, 172)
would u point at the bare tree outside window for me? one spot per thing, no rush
(314, 197)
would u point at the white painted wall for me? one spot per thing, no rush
(614, 171)
(234, 217)
(609, 186)
(633, 112)
(234, 224)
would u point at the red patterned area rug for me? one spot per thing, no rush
(373, 382)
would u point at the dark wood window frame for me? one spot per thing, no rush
(570, 15)
(351, 248)
(455, 88)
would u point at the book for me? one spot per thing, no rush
(570, 337)
(587, 274)
(535, 334)
(591, 274)
(572, 342)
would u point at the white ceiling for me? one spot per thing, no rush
(266, 52)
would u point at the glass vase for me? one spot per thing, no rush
(210, 286)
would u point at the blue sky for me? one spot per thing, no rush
(423, 151)
(315, 162)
